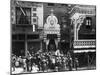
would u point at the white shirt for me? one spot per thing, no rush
(57, 53)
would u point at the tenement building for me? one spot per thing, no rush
(83, 20)
(27, 26)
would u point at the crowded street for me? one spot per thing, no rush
(45, 62)
(52, 37)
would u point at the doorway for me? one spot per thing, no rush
(52, 45)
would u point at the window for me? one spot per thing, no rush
(34, 19)
(88, 21)
(14, 37)
(34, 9)
(86, 36)
(21, 36)
(50, 4)
(32, 36)
(34, 15)
(23, 15)
(51, 36)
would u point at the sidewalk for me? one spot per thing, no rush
(20, 70)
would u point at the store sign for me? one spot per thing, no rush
(33, 28)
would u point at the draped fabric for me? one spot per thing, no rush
(22, 18)
(47, 42)
(56, 42)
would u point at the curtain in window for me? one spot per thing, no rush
(22, 18)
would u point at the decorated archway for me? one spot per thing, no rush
(51, 30)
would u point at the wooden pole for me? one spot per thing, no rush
(25, 44)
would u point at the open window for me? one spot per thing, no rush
(23, 15)
(88, 22)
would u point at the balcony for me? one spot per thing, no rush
(84, 44)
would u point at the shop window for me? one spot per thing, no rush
(21, 36)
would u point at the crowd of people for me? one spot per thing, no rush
(44, 61)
